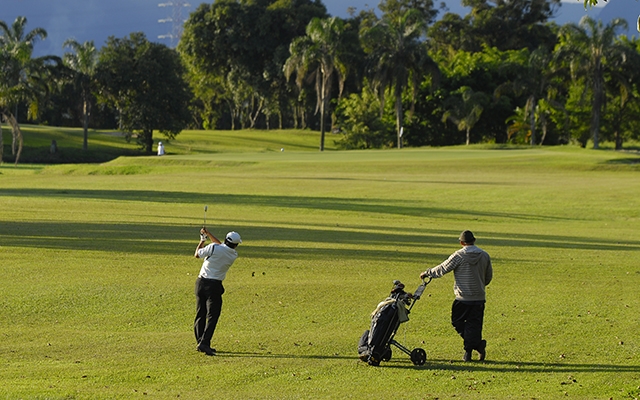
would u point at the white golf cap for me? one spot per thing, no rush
(233, 237)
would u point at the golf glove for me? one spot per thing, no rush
(203, 237)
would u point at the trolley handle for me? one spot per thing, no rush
(418, 293)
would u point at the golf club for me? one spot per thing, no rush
(205, 217)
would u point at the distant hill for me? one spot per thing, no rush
(626, 9)
(86, 20)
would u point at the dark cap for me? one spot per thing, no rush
(467, 237)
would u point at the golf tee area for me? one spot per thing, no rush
(98, 269)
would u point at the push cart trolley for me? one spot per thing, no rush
(375, 343)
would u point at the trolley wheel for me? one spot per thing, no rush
(387, 354)
(418, 356)
(373, 362)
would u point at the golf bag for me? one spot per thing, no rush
(375, 343)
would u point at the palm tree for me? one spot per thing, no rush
(536, 81)
(319, 56)
(4, 93)
(83, 62)
(589, 46)
(398, 58)
(465, 110)
(622, 87)
(16, 49)
(518, 124)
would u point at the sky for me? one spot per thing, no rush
(96, 20)
(85, 20)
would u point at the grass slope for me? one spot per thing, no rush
(98, 273)
(105, 146)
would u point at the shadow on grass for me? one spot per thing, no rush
(448, 365)
(634, 153)
(407, 181)
(181, 240)
(69, 155)
(375, 206)
(246, 354)
(515, 366)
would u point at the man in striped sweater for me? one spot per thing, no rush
(472, 270)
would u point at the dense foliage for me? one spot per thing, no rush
(503, 73)
(144, 82)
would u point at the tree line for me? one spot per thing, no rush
(503, 73)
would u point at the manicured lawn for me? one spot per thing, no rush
(98, 271)
(106, 145)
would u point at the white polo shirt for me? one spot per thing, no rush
(218, 258)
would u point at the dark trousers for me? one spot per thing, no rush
(208, 307)
(466, 318)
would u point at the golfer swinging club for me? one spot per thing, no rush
(472, 269)
(218, 258)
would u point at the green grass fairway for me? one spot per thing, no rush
(98, 272)
(105, 146)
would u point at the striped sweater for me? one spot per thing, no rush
(472, 269)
